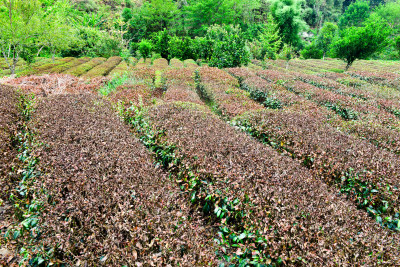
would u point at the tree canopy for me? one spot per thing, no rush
(361, 42)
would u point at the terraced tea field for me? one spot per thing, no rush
(107, 162)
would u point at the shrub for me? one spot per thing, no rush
(145, 47)
(397, 44)
(202, 48)
(312, 51)
(229, 48)
(180, 47)
(161, 41)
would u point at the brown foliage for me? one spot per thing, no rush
(57, 84)
(225, 93)
(110, 205)
(8, 127)
(298, 213)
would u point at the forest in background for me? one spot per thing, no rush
(222, 33)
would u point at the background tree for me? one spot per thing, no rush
(326, 36)
(288, 15)
(145, 48)
(355, 14)
(312, 51)
(361, 42)
(229, 48)
(397, 44)
(200, 14)
(57, 34)
(267, 42)
(20, 24)
(391, 12)
(161, 40)
(158, 14)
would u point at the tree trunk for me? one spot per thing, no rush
(287, 64)
(40, 50)
(323, 56)
(53, 56)
(14, 65)
(348, 65)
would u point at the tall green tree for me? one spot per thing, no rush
(20, 28)
(200, 14)
(268, 41)
(355, 14)
(397, 44)
(326, 36)
(288, 15)
(56, 34)
(391, 12)
(361, 42)
(158, 14)
(229, 47)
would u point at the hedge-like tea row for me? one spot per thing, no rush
(50, 84)
(386, 78)
(222, 90)
(271, 95)
(176, 63)
(103, 69)
(45, 67)
(68, 65)
(109, 204)
(120, 69)
(181, 86)
(4, 65)
(143, 62)
(368, 174)
(375, 133)
(144, 73)
(345, 106)
(381, 98)
(8, 126)
(160, 64)
(85, 67)
(190, 63)
(359, 117)
(139, 94)
(287, 205)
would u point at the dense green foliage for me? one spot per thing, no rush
(182, 29)
(361, 42)
(355, 14)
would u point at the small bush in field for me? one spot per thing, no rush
(229, 49)
(145, 48)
